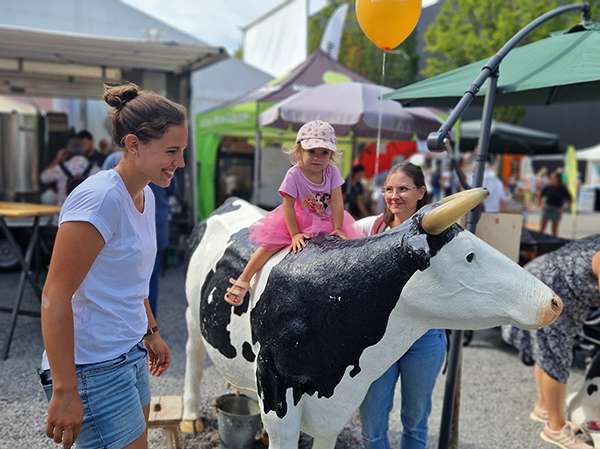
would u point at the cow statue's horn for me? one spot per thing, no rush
(451, 209)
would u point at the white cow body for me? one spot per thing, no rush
(453, 292)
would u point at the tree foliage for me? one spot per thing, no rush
(466, 31)
(360, 55)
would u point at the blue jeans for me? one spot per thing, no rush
(418, 369)
(113, 394)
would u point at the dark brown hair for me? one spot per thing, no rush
(145, 114)
(415, 173)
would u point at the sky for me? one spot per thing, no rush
(216, 22)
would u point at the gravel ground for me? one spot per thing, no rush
(497, 390)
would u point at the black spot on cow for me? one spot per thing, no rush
(216, 314)
(247, 352)
(322, 307)
(594, 368)
(194, 240)
(591, 389)
(227, 206)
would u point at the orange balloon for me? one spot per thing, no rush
(387, 23)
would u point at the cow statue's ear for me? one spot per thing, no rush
(417, 249)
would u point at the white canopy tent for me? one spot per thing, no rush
(54, 64)
(45, 63)
(589, 154)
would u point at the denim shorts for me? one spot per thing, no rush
(113, 394)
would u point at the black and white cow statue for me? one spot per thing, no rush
(322, 324)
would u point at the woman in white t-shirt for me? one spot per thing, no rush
(100, 336)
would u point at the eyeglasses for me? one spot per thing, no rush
(402, 190)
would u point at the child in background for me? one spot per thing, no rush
(312, 205)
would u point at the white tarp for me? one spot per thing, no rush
(276, 42)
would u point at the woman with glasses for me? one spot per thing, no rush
(404, 193)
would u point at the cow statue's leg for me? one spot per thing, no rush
(194, 365)
(284, 433)
(324, 442)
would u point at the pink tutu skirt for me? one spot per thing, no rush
(271, 231)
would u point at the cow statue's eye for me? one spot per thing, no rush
(470, 257)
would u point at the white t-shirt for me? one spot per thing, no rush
(108, 307)
(494, 185)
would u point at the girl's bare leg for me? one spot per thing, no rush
(256, 262)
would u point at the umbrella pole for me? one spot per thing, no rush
(257, 157)
(451, 405)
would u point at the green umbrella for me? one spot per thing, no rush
(563, 67)
(510, 139)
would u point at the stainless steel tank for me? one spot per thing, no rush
(19, 154)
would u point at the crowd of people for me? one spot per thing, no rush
(544, 192)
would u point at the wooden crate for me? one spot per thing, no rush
(166, 413)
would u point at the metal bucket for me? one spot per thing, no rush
(238, 419)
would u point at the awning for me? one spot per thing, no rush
(34, 62)
(510, 139)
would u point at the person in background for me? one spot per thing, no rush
(404, 192)
(163, 218)
(436, 181)
(112, 160)
(572, 272)
(541, 181)
(105, 147)
(68, 163)
(554, 197)
(89, 150)
(497, 199)
(354, 193)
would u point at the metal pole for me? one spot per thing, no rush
(257, 157)
(451, 405)
(435, 140)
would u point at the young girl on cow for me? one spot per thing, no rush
(312, 205)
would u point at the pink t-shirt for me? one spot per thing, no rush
(315, 198)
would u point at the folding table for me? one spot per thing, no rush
(15, 211)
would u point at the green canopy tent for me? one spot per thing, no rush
(239, 118)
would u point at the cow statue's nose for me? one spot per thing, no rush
(550, 312)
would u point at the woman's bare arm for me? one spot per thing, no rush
(76, 247)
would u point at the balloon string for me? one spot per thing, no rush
(379, 113)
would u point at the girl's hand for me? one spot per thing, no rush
(339, 233)
(298, 242)
(159, 355)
